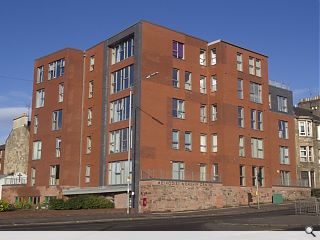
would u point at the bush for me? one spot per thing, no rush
(4, 206)
(81, 202)
(56, 204)
(23, 204)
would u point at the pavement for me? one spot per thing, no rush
(40, 217)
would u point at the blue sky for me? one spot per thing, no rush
(287, 31)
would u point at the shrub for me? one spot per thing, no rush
(23, 204)
(56, 204)
(4, 206)
(81, 202)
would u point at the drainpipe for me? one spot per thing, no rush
(81, 121)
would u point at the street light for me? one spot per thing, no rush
(129, 142)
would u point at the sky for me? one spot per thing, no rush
(285, 30)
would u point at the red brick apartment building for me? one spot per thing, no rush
(203, 113)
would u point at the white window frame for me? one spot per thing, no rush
(203, 143)
(203, 113)
(60, 92)
(282, 104)
(240, 116)
(40, 74)
(175, 77)
(187, 80)
(178, 170)
(258, 67)
(88, 173)
(89, 120)
(58, 147)
(35, 124)
(257, 148)
(214, 83)
(215, 172)
(89, 145)
(40, 94)
(203, 84)
(188, 141)
(242, 172)
(283, 129)
(240, 88)
(179, 112)
(175, 144)
(175, 50)
(213, 52)
(251, 66)
(239, 62)
(203, 172)
(90, 89)
(255, 92)
(37, 148)
(202, 57)
(214, 112)
(91, 63)
(214, 139)
(284, 155)
(33, 176)
(242, 146)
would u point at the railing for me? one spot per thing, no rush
(179, 175)
(305, 207)
(290, 183)
(279, 85)
(15, 181)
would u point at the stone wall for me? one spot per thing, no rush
(183, 195)
(10, 192)
(17, 151)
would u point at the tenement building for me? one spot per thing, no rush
(193, 118)
(308, 142)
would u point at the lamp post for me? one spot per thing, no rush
(129, 179)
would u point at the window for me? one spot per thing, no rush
(239, 62)
(240, 89)
(118, 172)
(122, 79)
(58, 147)
(89, 145)
(270, 105)
(214, 142)
(282, 104)
(88, 172)
(118, 140)
(61, 92)
(318, 132)
(255, 92)
(305, 128)
(119, 109)
(257, 176)
(35, 124)
(54, 175)
(213, 56)
(177, 50)
(253, 119)
(178, 108)
(90, 93)
(56, 69)
(203, 88)
(40, 98)
(284, 155)
(242, 175)
(203, 172)
(122, 51)
(283, 129)
(178, 170)
(258, 67)
(214, 112)
(203, 143)
(241, 117)
(188, 141)
(257, 148)
(175, 139)
(91, 67)
(241, 146)
(33, 177)
(214, 83)
(202, 57)
(260, 120)
(175, 78)
(284, 178)
(40, 74)
(57, 120)
(89, 116)
(203, 113)
(251, 65)
(36, 154)
(187, 81)
(215, 172)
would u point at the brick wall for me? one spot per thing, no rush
(184, 195)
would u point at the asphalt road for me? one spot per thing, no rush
(273, 220)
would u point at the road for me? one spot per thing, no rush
(271, 220)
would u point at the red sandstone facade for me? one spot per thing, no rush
(91, 155)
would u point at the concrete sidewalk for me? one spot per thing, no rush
(28, 217)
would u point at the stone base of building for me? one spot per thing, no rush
(159, 195)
